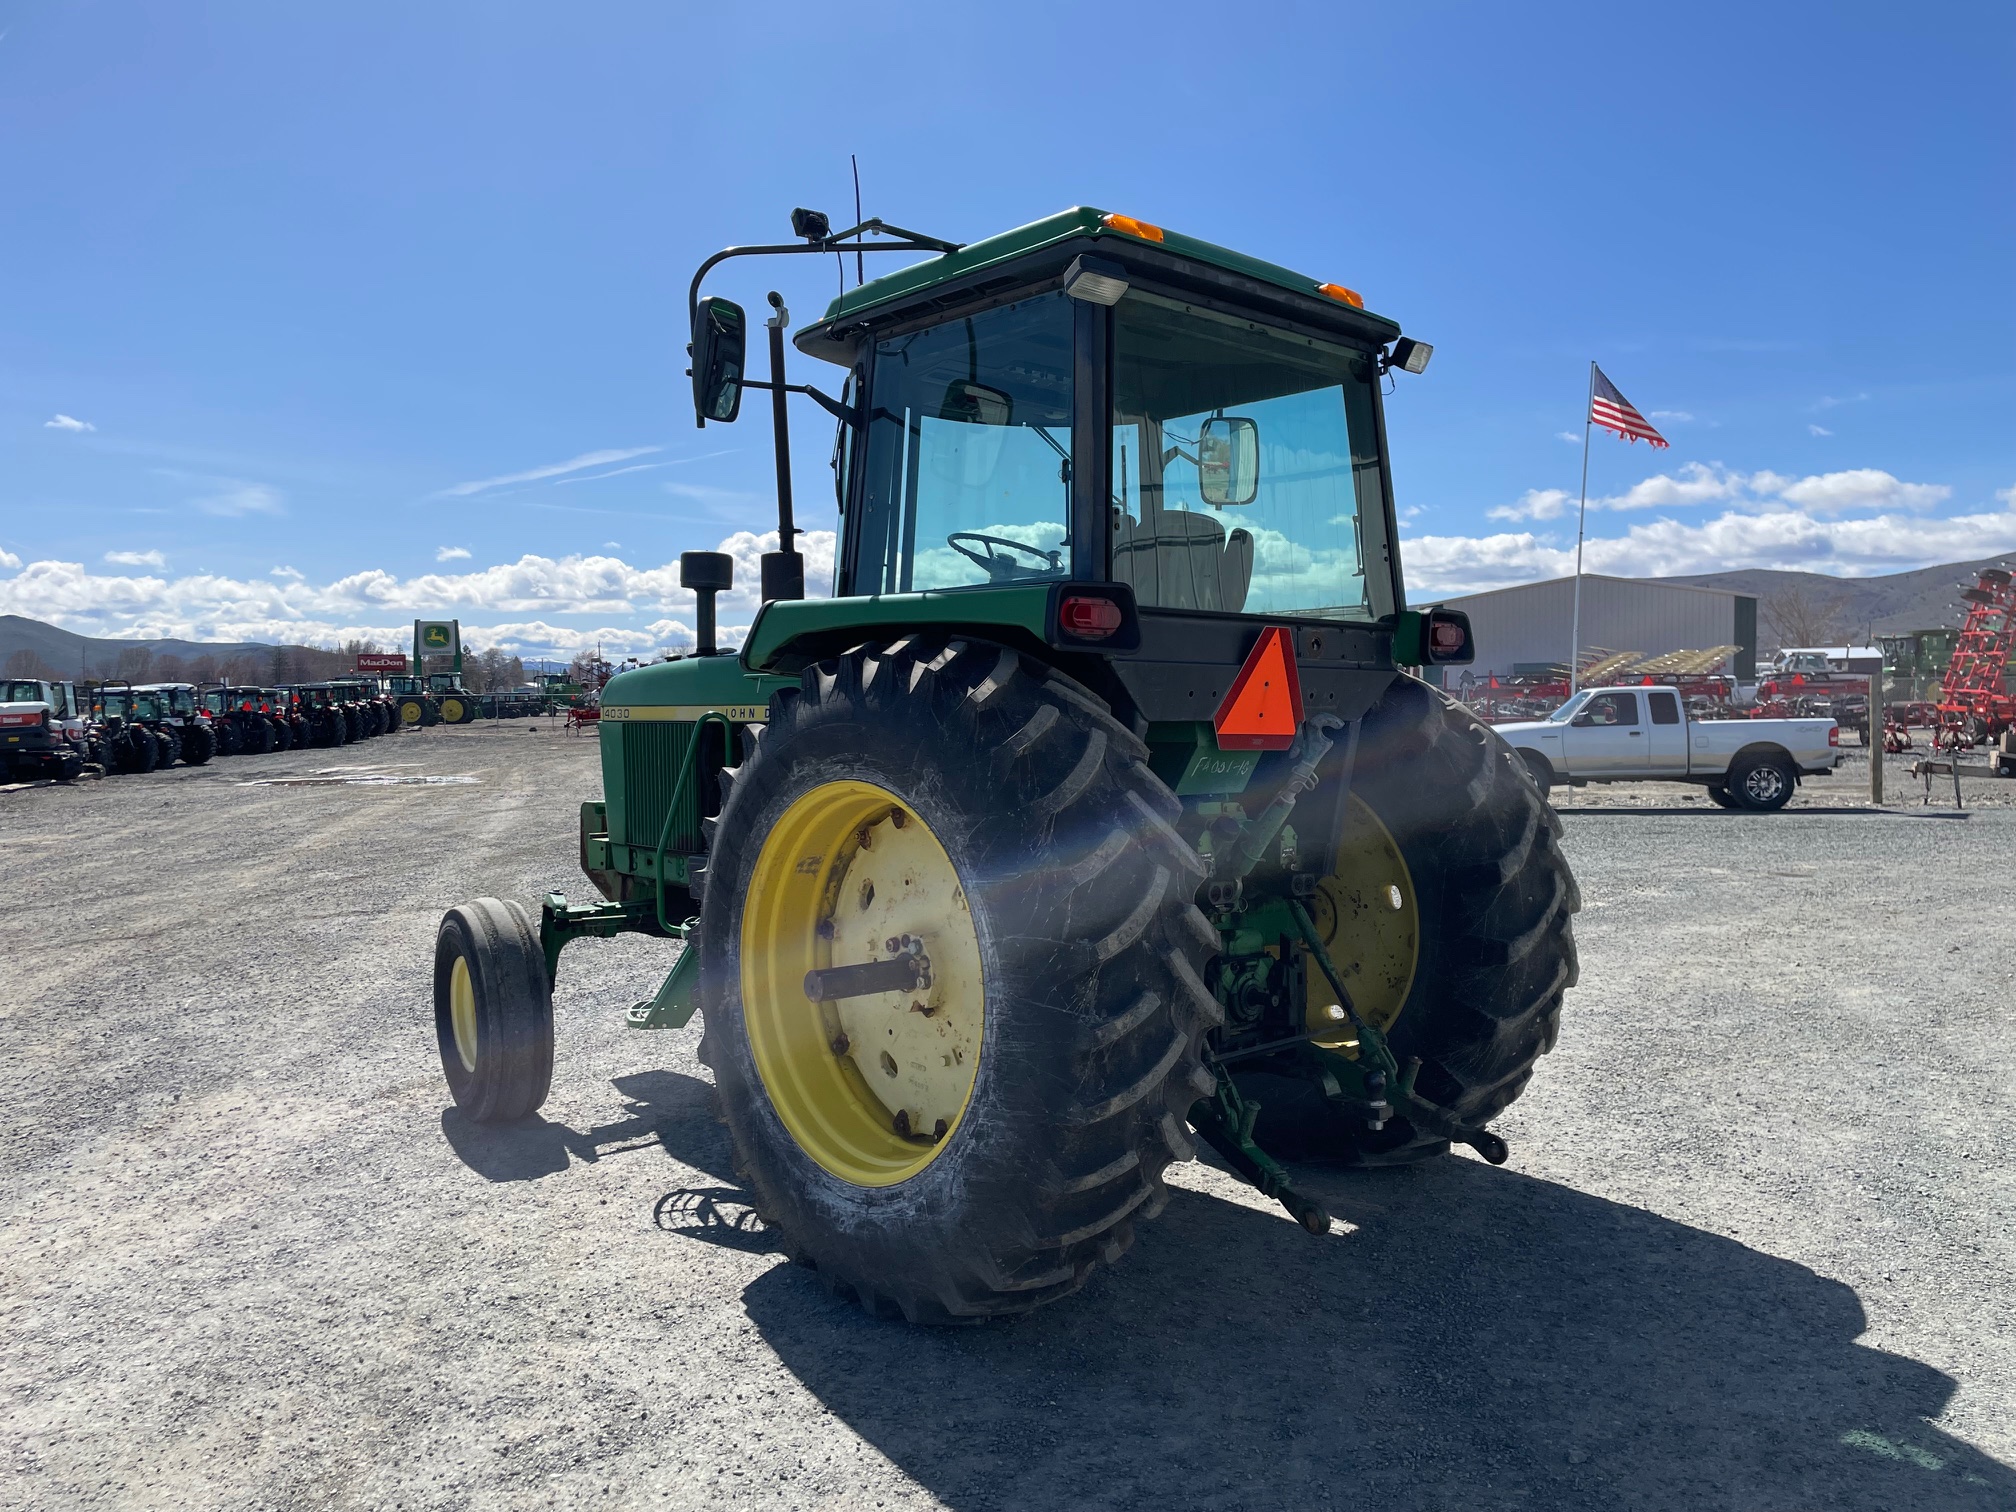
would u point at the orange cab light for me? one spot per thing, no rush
(1132, 227)
(1350, 297)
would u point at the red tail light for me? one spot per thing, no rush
(1834, 735)
(1089, 618)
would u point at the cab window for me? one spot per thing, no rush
(968, 455)
(1665, 708)
(1612, 709)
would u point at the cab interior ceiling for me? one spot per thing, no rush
(1037, 272)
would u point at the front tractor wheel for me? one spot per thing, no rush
(951, 979)
(1448, 917)
(493, 1010)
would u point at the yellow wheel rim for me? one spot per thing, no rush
(409, 712)
(451, 711)
(871, 1087)
(1366, 916)
(462, 1012)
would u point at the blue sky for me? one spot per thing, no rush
(304, 297)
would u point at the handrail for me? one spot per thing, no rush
(691, 764)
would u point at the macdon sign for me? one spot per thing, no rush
(381, 661)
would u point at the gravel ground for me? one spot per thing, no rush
(1755, 1248)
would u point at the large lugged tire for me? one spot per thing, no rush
(493, 1010)
(1493, 952)
(995, 812)
(198, 744)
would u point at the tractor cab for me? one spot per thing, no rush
(1094, 809)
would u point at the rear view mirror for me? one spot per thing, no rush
(1228, 461)
(968, 457)
(720, 342)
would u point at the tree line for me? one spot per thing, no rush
(490, 671)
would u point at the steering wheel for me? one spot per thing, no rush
(1000, 569)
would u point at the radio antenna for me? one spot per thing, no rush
(856, 164)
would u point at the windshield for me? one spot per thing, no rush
(1568, 710)
(1194, 389)
(24, 692)
(968, 455)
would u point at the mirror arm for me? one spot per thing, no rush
(910, 241)
(845, 413)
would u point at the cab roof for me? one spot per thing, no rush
(1115, 235)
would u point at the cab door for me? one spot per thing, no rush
(1607, 739)
(1665, 734)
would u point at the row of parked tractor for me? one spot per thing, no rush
(61, 730)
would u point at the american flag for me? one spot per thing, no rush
(1614, 412)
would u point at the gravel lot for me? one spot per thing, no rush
(1755, 1248)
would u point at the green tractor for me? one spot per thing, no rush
(1095, 812)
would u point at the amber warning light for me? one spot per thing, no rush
(1263, 708)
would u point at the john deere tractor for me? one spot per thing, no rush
(1095, 812)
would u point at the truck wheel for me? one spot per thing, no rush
(1448, 917)
(1542, 771)
(973, 1144)
(493, 1010)
(1761, 784)
(1719, 796)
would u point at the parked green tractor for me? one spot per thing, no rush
(1094, 810)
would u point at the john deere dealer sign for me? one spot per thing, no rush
(437, 638)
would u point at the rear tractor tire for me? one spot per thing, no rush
(198, 745)
(493, 1010)
(976, 1142)
(1448, 917)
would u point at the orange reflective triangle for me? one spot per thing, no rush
(1263, 708)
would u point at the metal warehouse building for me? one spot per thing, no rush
(1527, 629)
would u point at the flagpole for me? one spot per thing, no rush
(1581, 518)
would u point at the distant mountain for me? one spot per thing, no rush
(70, 655)
(1893, 604)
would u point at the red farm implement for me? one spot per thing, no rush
(1974, 701)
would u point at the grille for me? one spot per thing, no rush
(653, 753)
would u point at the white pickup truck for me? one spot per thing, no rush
(1644, 735)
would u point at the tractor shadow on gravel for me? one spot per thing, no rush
(664, 1108)
(1478, 1339)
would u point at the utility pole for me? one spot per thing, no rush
(1876, 727)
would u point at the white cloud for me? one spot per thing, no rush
(1773, 536)
(1828, 401)
(9, 560)
(552, 470)
(136, 559)
(245, 499)
(1573, 438)
(68, 423)
(1819, 430)
(1697, 484)
(1534, 504)
(525, 606)
(451, 554)
(1863, 488)
(612, 545)
(1677, 417)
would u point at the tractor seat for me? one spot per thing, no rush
(1179, 559)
